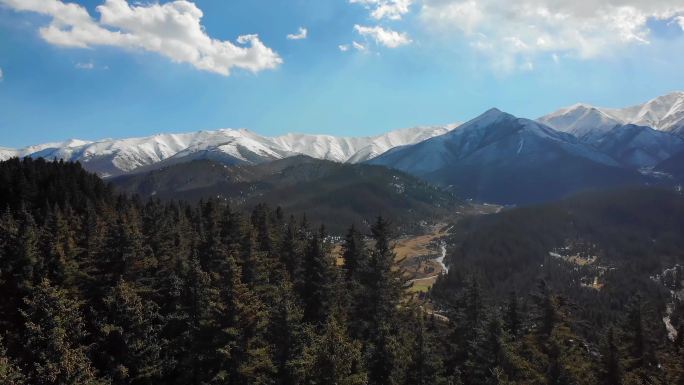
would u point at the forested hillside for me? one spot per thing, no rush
(608, 266)
(332, 193)
(105, 289)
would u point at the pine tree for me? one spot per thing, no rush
(387, 356)
(355, 256)
(243, 322)
(10, 373)
(512, 315)
(54, 330)
(60, 249)
(331, 358)
(319, 280)
(130, 336)
(546, 314)
(357, 275)
(611, 373)
(288, 251)
(384, 283)
(286, 333)
(426, 367)
(194, 340)
(639, 351)
(29, 262)
(487, 352)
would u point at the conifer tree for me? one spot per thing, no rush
(10, 374)
(384, 283)
(286, 332)
(319, 280)
(29, 261)
(130, 343)
(426, 367)
(611, 372)
(243, 323)
(332, 358)
(357, 285)
(54, 331)
(289, 251)
(195, 338)
(60, 249)
(512, 315)
(387, 356)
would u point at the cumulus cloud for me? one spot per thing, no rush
(390, 9)
(382, 36)
(301, 34)
(172, 30)
(524, 28)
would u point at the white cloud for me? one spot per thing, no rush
(516, 31)
(1, 75)
(85, 66)
(301, 34)
(390, 9)
(386, 37)
(680, 21)
(358, 46)
(343, 47)
(172, 30)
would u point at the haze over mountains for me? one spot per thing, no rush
(496, 157)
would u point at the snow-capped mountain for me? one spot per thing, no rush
(111, 157)
(664, 113)
(498, 157)
(637, 146)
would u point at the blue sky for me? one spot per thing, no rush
(433, 62)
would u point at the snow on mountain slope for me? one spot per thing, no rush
(498, 157)
(113, 157)
(355, 149)
(6, 153)
(483, 137)
(638, 146)
(581, 120)
(664, 113)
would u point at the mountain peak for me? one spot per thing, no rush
(488, 117)
(663, 113)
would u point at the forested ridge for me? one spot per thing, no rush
(100, 288)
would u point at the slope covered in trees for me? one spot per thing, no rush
(605, 273)
(105, 289)
(333, 193)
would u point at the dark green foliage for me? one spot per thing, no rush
(54, 332)
(129, 337)
(106, 289)
(331, 358)
(332, 193)
(10, 373)
(612, 373)
(319, 278)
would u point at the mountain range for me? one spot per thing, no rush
(496, 157)
(113, 157)
(664, 113)
(500, 158)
